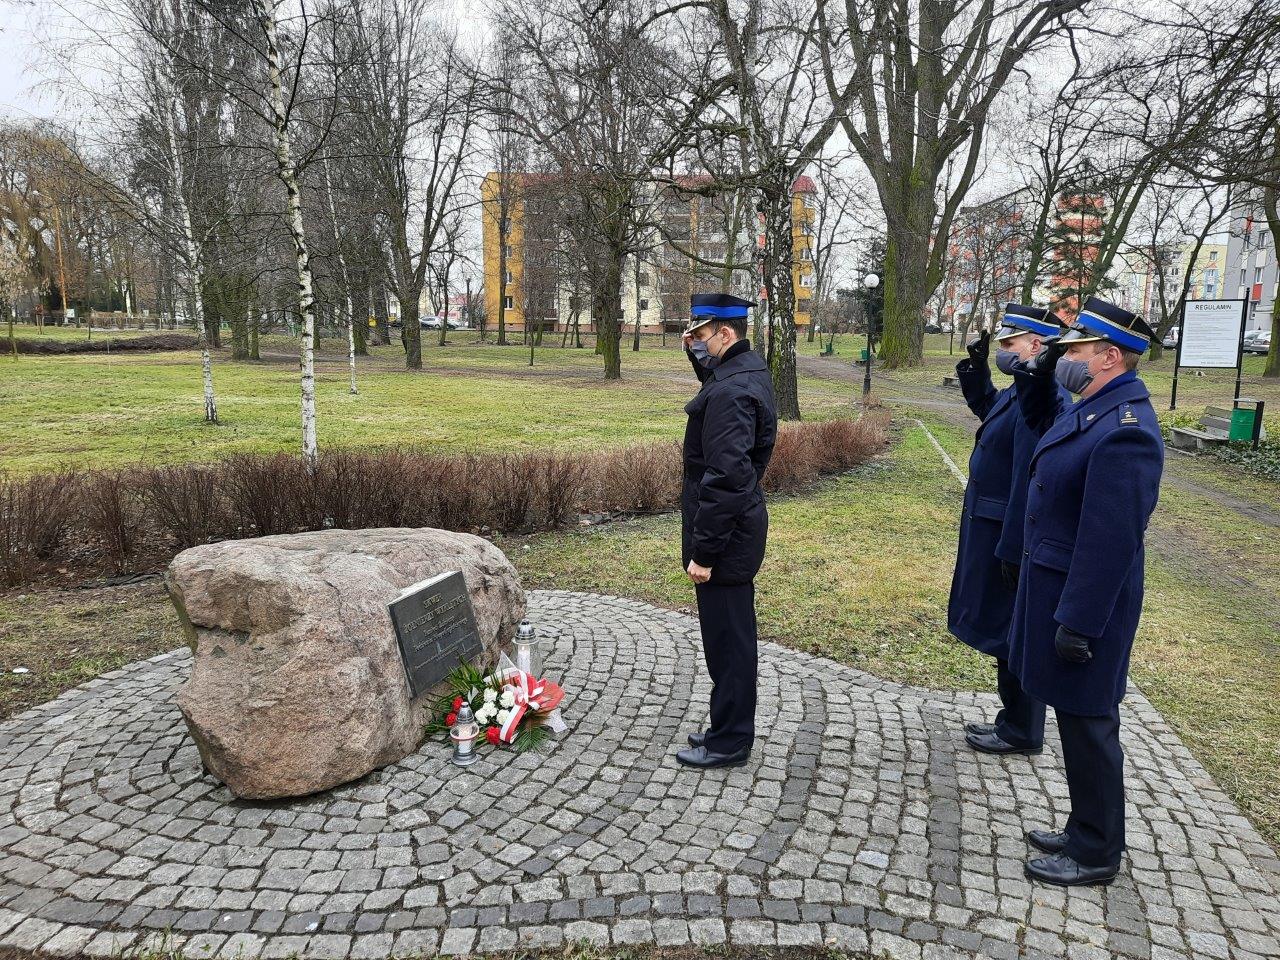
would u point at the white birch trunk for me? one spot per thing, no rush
(351, 345)
(346, 282)
(192, 259)
(287, 172)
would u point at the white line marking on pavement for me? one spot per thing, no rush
(937, 446)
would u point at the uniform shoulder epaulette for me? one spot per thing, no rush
(1127, 416)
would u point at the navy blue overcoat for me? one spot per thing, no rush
(981, 605)
(733, 423)
(1095, 479)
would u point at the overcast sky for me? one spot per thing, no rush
(18, 96)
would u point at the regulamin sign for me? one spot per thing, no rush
(1212, 331)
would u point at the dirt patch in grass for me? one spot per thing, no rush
(54, 639)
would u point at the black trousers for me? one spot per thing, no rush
(727, 615)
(1095, 781)
(1021, 718)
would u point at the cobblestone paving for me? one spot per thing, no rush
(861, 822)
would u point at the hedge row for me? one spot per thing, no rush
(146, 342)
(138, 518)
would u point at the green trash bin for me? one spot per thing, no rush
(1242, 423)
(862, 355)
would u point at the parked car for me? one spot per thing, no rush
(430, 323)
(932, 327)
(1257, 341)
(1171, 338)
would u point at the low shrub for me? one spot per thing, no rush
(110, 519)
(145, 343)
(35, 515)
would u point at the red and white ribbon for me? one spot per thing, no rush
(529, 694)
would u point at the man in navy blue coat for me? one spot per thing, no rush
(990, 549)
(728, 440)
(1095, 478)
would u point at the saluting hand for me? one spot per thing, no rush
(1071, 646)
(698, 573)
(1051, 351)
(980, 349)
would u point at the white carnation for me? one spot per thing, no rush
(483, 714)
(508, 698)
(490, 695)
(503, 716)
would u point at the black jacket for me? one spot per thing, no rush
(733, 422)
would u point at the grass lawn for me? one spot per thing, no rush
(94, 410)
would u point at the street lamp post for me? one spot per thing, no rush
(870, 281)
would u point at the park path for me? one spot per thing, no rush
(861, 822)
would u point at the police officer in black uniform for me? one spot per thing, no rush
(732, 425)
(990, 550)
(1095, 478)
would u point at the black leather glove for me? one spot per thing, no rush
(1071, 646)
(980, 349)
(1009, 574)
(1051, 351)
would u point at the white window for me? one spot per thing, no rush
(1243, 281)
(506, 250)
(1257, 274)
(806, 280)
(1213, 256)
(508, 303)
(1261, 259)
(511, 277)
(644, 304)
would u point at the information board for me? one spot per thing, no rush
(1211, 333)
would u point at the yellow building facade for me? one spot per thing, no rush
(649, 284)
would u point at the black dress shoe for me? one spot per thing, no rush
(706, 760)
(991, 743)
(1047, 840)
(697, 739)
(979, 729)
(1062, 871)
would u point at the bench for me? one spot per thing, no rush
(1214, 429)
(950, 381)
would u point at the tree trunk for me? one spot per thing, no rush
(780, 288)
(607, 291)
(381, 316)
(502, 273)
(635, 343)
(411, 330)
(192, 265)
(288, 176)
(255, 322)
(360, 315)
(1271, 208)
(906, 290)
(239, 336)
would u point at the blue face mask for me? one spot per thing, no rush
(1074, 375)
(700, 353)
(1005, 360)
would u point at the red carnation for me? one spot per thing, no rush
(450, 720)
(493, 735)
(457, 704)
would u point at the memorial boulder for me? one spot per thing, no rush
(297, 680)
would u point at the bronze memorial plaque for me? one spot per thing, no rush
(436, 628)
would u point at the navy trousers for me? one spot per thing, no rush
(727, 615)
(1095, 781)
(1021, 719)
